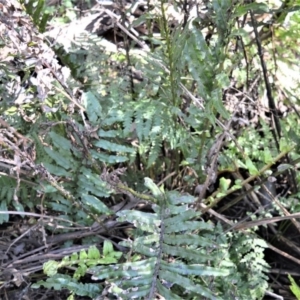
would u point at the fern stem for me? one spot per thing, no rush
(136, 194)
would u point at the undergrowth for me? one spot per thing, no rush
(96, 139)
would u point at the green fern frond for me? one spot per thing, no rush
(90, 182)
(113, 147)
(8, 185)
(10, 195)
(155, 151)
(183, 255)
(61, 281)
(156, 239)
(80, 261)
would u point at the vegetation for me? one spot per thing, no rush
(148, 151)
(294, 287)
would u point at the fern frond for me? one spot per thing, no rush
(10, 192)
(61, 281)
(155, 150)
(90, 189)
(156, 274)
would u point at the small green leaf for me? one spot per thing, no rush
(224, 184)
(251, 167)
(71, 297)
(80, 271)
(294, 287)
(285, 145)
(74, 257)
(95, 204)
(107, 248)
(93, 107)
(83, 255)
(223, 80)
(93, 252)
(50, 267)
(60, 142)
(114, 147)
(268, 156)
(157, 193)
(66, 260)
(47, 188)
(58, 158)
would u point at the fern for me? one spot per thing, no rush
(152, 117)
(247, 253)
(90, 189)
(86, 185)
(15, 195)
(81, 261)
(174, 253)
(61, 281)
(180, 255)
